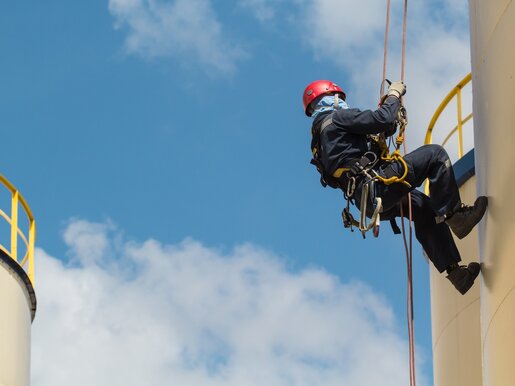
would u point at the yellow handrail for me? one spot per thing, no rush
(28, 258)
(455, 92)
(465, 120)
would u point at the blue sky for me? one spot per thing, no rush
(179, 120)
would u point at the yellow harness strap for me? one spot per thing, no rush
(338, 172)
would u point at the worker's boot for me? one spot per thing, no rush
(466, 217)
(462, 276)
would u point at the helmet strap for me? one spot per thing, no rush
(336, 102)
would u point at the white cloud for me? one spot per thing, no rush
(154, 314)
(344, 33)
(88, 242)
(340, 31)
(184, 29)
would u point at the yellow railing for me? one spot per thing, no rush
(455, 92)
(27, 261)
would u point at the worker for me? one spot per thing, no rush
(342, 148)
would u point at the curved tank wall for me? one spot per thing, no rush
(493, 68)
(17, 305)
(455, 318)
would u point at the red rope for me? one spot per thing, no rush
(407, 246)
(385, 53)
(404, 25)
(410, 308)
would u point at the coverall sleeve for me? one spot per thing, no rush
(368, 121)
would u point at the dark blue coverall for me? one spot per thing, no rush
(345, 140)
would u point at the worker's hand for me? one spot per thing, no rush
(397, 89)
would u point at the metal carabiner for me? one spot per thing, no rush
(351, 187)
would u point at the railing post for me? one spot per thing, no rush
(32, 240)
(460, 124)
(14, 225)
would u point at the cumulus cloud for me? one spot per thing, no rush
(344, 33)
(185, 29)
(155, 314)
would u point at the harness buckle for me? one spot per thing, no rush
(365, 163)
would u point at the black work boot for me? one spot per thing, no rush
(462, 276)
(466, 217)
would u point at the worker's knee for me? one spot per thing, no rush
(437, 153)
(437, 150)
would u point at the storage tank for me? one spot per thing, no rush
(455, 317)
(492, 25)
(17, 296)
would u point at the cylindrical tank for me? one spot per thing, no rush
(455, 318)
(492, 26)
(17, 309)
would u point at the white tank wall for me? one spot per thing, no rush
(15, 325)
(493, 70)
(455, 318)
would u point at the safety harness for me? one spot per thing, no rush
(361, 171)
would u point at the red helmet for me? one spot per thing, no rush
(317, 88)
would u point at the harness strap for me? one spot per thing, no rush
(315, 131)
(367, 160)
(326, 122)
(395, 228)
(339, 172)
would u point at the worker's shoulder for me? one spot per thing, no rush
(345, 116)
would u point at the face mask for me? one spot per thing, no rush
(327, 104)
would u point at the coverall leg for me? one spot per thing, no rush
(432, 162)
(436, 239)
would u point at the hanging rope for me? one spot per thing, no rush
(385, 53)
(408, 245)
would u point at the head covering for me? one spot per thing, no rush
(327, 104)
